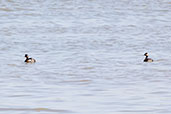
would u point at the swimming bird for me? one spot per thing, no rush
(147, 59)
(29, 60)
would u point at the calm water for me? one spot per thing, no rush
(89, 56)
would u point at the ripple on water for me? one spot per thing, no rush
(35, 110)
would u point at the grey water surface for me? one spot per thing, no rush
(89, 56)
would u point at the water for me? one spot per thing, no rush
(89, 56)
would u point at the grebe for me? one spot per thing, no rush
(147, 59)
(29, 60)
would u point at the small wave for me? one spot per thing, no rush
(34, 109)
(5, 9)
(88, 68)
(12, 64)
(160, 60)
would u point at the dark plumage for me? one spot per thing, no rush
(147, 59)
(29, 60)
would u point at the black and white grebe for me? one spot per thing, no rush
(29, 60)
(147, 59)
